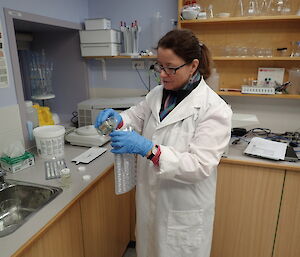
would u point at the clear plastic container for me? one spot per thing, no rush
(32, 114)
(125, 171)
(213, 80)
(65, 177)
(294, 78)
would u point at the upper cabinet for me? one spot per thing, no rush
(242, 44)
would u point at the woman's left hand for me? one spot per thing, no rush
(129, 142)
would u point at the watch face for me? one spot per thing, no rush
(154, 150)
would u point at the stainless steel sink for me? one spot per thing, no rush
(20, 200)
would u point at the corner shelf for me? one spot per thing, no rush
(279, 96)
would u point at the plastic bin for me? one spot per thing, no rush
(50, 141)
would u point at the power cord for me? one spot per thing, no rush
(144, 84)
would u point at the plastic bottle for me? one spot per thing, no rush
(32, 114)
(125, 171)
(65, 177)
(213, 80)
(156, 28)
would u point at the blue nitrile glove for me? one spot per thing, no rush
(105, 114)
(129, 142)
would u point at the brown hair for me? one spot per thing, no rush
(186, 45)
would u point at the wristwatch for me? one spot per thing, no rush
(153, 152)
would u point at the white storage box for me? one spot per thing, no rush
(101, 23)
(105, 49)
(100, 36)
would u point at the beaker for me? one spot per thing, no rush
(294, 78)
(252, 8)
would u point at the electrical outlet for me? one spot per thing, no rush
(139, 65)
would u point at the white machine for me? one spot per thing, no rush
(89, 109)
(86, 136)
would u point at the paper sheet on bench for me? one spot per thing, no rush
(266, 148)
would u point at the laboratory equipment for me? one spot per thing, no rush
(95, 24)
(50, 141)
(294, 78)
(252, 8)
(86, 136)
(213, 80)
(190, 11)
(278, 7)
(210, 11)
(89, 109)
(53, 168)
(41, 76)
(264, 7)
(295, 49)
(130, 38)
(156, 29)
(107, 126)
(32, 114)
(239, 9)
(125, 170)
(65, 177)
(104, 42)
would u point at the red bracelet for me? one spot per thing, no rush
(120, 125)
(156, 157)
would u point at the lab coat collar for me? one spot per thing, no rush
(183, 110)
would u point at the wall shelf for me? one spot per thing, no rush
(233, 58)
(121, 57)
(243, 19)
(224, 93)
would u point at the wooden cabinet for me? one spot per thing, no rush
(62, 238)
(105, 219)
(247, 206)
(288, 233)
(226, 37)
(97, 224)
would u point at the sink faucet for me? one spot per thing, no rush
(2, 181)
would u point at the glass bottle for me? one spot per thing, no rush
(107, 126)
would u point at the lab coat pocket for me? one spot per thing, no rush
(185, 228)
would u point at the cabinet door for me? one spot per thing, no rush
(63, 238)
(247, 206)
(288, 233)
(105, 219)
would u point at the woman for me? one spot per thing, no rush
(182, 128)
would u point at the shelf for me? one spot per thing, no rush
(120, 57)
(224, 58)
(243, 19)
(224, 93)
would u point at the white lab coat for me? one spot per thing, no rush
(175, 202)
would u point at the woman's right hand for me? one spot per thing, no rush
(105, 114)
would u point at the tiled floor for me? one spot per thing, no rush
(130, 252)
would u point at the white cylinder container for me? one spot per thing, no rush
(50, 141)
(32, 114)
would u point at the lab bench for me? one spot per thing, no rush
(86, 219)
(257, 203)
